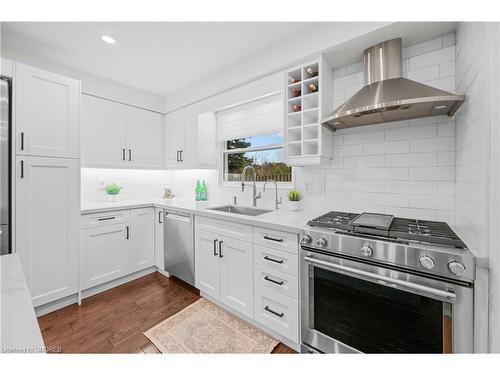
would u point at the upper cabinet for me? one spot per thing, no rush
(116, 135)
(308, 99)
(47, 113)
(190, 139)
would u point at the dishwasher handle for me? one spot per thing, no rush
(177, 217)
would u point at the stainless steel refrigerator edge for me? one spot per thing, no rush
(5, 165)
(179, 246)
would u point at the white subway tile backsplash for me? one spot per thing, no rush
(431, 58)
(432, 173)
(424, 47)
(446, 158)
(412, 187)
(433, 202)
(364, 161)
(424, 74)
(367, 136)
(449, 40)
(432, 144)
(385, 173)
(391, 147)
(411, 160)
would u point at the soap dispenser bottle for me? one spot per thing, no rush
(197, 191)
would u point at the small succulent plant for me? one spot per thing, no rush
(113, 188)
(294, 195)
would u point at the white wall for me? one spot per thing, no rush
(272, 59)
(404, 168)
(477, 145)
(91, 84)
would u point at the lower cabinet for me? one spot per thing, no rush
(105, 251)
(224, 270)
(115, 244)
(159, 247)
(47, 207)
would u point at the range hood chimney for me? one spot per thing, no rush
(387, 96)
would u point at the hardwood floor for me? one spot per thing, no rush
(113, 321)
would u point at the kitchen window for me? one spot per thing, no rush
(251, 134)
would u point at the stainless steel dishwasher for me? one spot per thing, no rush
(179, 245)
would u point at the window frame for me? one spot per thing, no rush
(223, 152)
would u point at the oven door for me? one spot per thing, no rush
(356, 307)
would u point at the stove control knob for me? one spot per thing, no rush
(366, 250)
(456, 268)
(427, 262)
(321, 242)
(305, 239)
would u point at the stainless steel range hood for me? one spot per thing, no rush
(387, 96)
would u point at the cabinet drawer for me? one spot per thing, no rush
(275, 280)
(277, 312)
(276, 260)
(231, 229)
(104, 218)
(276, 239)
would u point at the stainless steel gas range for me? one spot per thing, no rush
(373, 283)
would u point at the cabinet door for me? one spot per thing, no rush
(174, 133)
(236, 274)
(189, 145)
(142, 251)
(207, 276)
(104, 254)
(47, 109)
(159, 248)
(103, 132)
(144, 138)
(47, 225)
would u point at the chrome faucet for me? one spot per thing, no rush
(255, 196)
(276, 201)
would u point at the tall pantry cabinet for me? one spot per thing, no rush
(47, 181)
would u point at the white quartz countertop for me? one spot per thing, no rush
(20, 332)
(281, 219)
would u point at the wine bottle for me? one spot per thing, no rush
(313, 87)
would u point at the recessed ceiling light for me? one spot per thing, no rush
(440, 107)
(108, 39)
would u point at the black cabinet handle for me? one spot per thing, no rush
(106, 218)
(22, 141)
(273, 239)
(159, 217)
(128, 232)
(215, 248)
(129, 155)
(180, 153)
(267, 278)
(274, 312)
(22, 168)
(273, 260)
(220, 249)
(177, 155)
(123, 154)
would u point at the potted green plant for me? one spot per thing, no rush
(294, 198)
(113, 189)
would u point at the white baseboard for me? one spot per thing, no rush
(69, 300)
(294, 345)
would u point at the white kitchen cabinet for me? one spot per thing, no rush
(6, 67)
(47, 206)
(144, 138)
(190, 139)
(105, 256)
(159, 247)
(103, 133)
(207, 273)
(115, 135)
(236, 281)
(141, 239)
(47, 110)
(224, 266)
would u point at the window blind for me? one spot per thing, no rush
(257, 117)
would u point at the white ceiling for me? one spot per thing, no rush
(156, 57)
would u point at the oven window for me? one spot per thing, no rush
(376, 319)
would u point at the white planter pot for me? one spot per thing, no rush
(112, 198)
(294, 205)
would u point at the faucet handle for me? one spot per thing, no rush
(235, 201)
(279, 201)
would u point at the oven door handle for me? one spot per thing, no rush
(440, 294)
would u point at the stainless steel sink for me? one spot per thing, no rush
(240, 210)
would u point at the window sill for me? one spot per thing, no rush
(259, 184)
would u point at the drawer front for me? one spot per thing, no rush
(278, 281)
(276, 260)
(276, 239)
(277, 312)
(104, 218)
(221, 228)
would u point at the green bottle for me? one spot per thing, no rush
(197, 191)
(204, 192)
